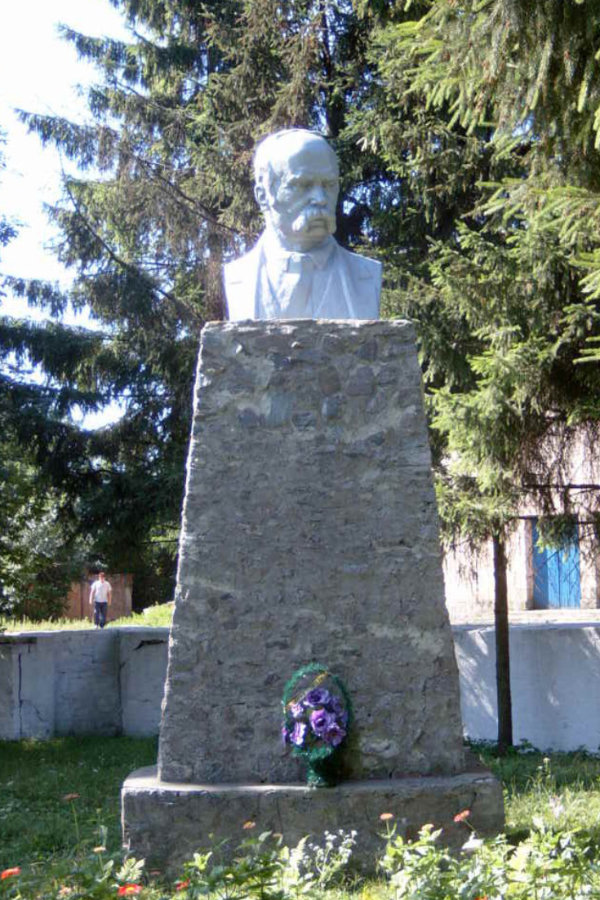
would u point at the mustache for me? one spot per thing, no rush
(310, 214)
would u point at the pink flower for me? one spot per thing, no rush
(126, 889)
(461, 816)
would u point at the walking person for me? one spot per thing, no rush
(100, 597)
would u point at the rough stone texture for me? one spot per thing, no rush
(81, 682)
(309, 534)
(166, 823)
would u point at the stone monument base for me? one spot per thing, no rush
(165, 823)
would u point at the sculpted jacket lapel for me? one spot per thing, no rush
(358, 282)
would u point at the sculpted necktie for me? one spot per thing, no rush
(296, 286)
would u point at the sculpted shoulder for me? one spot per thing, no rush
(363, 266)
(239, 269)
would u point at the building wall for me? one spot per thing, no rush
(469, 575)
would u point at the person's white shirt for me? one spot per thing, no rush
(101, 591)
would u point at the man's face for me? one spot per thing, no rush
(101, 576)
(300, 204)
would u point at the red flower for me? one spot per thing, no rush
(461, 816)
(126, 889)
(8, 873)
(181, 885)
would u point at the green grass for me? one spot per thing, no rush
(36, 821)
(153, 616)
(8, 624)
(157, 616)
(562, 789)
(59, 801)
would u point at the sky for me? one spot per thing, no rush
(41, 73)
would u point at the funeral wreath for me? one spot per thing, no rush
(317, 715)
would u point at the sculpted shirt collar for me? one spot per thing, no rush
(281, 260)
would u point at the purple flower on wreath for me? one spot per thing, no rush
(285, 735)
(296, 711)
(335, 705)
(334, 735)
(321, 721)
(298, 734)
(317, 697)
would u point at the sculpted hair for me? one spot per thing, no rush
(268, 148)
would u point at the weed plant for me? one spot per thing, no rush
(60, 837)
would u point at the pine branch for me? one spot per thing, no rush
(122, 263)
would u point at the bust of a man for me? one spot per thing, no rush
(297, 270)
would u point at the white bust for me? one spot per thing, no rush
(297, 269)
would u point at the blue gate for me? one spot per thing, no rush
(556, 580)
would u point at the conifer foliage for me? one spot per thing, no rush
(510, 88)
(514, 283)
(162, 197)
(468, 137)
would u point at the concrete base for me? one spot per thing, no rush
(165, 823)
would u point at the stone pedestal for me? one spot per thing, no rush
(309, 534)
(166, 822)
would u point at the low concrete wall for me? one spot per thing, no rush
(111, 682)
(555, 683)
(82, 682)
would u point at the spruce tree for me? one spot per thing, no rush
(508, 88)
(163, 198)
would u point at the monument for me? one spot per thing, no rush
(309, 536)
(297, 269)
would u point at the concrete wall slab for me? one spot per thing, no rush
(111, 682)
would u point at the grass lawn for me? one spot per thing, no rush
(153, 616)
(561, 789)
(37, 820)
(59, 802)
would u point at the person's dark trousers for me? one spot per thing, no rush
(100, 613)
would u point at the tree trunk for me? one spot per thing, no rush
(505, 735)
